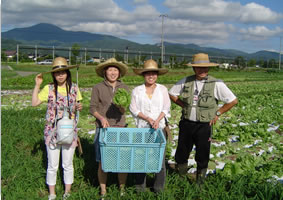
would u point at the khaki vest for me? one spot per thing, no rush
(206, 106)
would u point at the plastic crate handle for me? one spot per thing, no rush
(104, 135)
(157, 135)
(161, 138)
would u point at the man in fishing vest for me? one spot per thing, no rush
(198, 95)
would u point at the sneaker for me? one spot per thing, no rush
(122, 191)
(66, 196)
(51, 196)
(102, 197)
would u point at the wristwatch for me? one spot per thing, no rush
(218, 113)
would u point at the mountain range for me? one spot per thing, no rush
(50, 35)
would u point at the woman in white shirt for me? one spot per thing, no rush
(150, 104)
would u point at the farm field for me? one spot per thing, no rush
(246, 152)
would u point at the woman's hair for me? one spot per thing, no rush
(149, 72)
(105, 69)
(68, 82)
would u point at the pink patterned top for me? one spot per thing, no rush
(62, 101)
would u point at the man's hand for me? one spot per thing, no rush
(213, 121)
(223, 109)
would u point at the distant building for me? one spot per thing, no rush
(10, 54)
(227, 66)
(224, 65)
(30, 56)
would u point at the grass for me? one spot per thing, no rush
(24, 165)
(24, 154)
(88, 77)
(6, 74)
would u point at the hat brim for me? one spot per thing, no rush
(62, 69)
(141, 71)
(100, 68)
(203, 65)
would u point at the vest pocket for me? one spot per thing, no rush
(205, 115)
(206, 102)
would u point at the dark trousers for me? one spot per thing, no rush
(159, 180)
(194, 133)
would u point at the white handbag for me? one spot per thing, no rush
(65, 129)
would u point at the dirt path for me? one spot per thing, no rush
(29, 92)
(20, 73)
(24, 73)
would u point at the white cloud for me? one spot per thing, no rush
(187, 31)
(145, 12)
(63, 12)
(220, 10)
(109, 28)
(202, 9)
(95, 16)
(182, 31)
(256, 13)
(259, 33)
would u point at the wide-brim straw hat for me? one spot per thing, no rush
(150, 66)
(111, 62)
(201, 60)
(60, 64)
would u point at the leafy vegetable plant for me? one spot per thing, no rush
(122, 98)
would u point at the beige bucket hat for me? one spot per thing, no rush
(150, 66)
(60, 64)
(201, 60)
(111, 62)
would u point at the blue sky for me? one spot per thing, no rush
(244, 25)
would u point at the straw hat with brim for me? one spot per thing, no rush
(108, 63)
(60, 64)
(150, 66)
(201, 60)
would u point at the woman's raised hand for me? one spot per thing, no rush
(39, 79)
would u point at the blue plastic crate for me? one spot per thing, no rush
(132, 150)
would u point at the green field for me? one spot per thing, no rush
(246, 152)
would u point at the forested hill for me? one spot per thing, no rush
(51, 35)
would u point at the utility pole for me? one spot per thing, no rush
(53, 53)
(35, 53)
(127, 54)
(18, 54)
(85, 56)
(162, 47)
(70, 55)
(280, 54)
